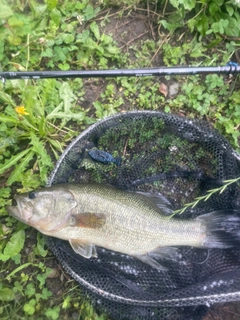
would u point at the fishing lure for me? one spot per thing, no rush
(104, 157)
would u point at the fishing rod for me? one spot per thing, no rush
(230, 68)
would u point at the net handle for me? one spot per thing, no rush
(231, 68)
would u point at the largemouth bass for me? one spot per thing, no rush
(89, 215)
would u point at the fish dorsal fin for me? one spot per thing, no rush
(88, 220)
(158, 200)
(86, 250)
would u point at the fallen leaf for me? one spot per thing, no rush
(163, 89)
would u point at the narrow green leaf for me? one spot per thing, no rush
(25, 265)
(36, 143)
(20, 168)
(12, 161)
(56, 144)
(7, 119)
(6, 97)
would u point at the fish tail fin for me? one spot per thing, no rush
(222, 229)
(118, 161)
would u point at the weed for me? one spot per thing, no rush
(38, 127)
(206, 196)
(206, 17)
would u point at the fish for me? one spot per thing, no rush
(104, 157)
(132, 223)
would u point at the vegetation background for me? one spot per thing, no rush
(39, 118)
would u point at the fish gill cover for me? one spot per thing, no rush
(166, 155)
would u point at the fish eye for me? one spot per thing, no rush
(32, 195)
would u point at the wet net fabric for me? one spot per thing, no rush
(179, 159)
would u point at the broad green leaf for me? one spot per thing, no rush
(218, 2)
(51, 3)
(66, 94)
(95, 30)
(6, 294)
(29, 307)
(56, 16)
(202, 24)
(113, 50)
(64, 66)
(41, 242)
(229, 9)
(47, 53)
(46, 294)
(213, 8)
(13, 246)
(197, 51)
(175, 3)
(89, 12)
(13, 160)
(53, 313)
(170, 26)
(5, 11)
(233, 28)
(15, 22)
(16, 175)
(14, 40)
(68, 38)
(220, 26)
(187, 4)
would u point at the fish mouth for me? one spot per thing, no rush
(13, 210)
(16, 210)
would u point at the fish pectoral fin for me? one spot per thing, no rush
(151, 262)
(84, 249)
(88, 220)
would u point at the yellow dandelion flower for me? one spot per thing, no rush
(21, 110)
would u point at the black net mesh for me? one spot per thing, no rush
(181, 159)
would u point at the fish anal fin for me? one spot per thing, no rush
(87, 250)
(151, 262)
(164, 253)
(88, 220)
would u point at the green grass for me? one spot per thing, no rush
(38, 118)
